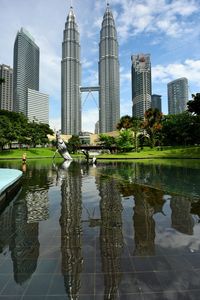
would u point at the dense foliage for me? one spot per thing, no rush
(73, 144)
(194, 105)
(15, 128)
(157, 129)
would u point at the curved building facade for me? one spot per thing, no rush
(109, 95)
(177, 96)
(70, 78)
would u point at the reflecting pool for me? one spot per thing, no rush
(118, 230)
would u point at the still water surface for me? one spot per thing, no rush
(121, 230)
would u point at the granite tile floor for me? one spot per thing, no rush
(126, 249)
(148, 277)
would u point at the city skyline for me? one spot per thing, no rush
(168, 30)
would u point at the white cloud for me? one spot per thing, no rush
(161, 16)
(189, 68)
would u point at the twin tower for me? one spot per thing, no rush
(108, 69)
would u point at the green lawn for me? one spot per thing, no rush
(30, 153)
(167, 152)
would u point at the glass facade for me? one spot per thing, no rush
(26, 69)
(70, 78)
(141, 84)
(6, 88)
(109, 96)
(177, 96)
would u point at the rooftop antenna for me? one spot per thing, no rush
(71, 4)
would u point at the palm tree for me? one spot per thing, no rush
(152, 124)
(132, 123)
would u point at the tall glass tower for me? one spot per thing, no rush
(141, 84)
(109, 99)
(70, 78)
(177, 96)
(6, 89)
(25, 69)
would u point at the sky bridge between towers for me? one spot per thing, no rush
(90, 91)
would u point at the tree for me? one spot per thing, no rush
(5, 128)
(152, 125)
(125, 122)
(73, 144)
(20, 130)
(2, 80)
(134, 124)
(194, 105)
(106, 140)
(181, 129)
(125, 140)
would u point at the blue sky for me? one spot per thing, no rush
(167, 29)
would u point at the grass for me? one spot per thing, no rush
(146, 153)
(30, 153)
(168, 152)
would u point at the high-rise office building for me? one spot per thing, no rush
(177, 95)
(37, 107)
(156, 102)
(26, 69)
(6, 88)
(141, 84)
(96, 130)
(70, 78)
(109, 96)
(109, 102)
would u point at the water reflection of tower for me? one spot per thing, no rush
(70, 222)
(144, 223)
(25, 245)
(148, 201)
(111, 238)
(181, 218)
(37, 205)
(6, 227)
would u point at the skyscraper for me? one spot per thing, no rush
(141, 84)
(6, 88)
(70, 78)
(109, 99)
(26, 69)
(37, 107)
(156, 102)
(177, 95)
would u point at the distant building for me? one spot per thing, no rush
(141, 84)
(177, 95)
(26, 69)
(96, 130)
(6, 88)
(156, 102)
(37, 107)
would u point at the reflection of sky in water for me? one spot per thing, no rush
(98, 218)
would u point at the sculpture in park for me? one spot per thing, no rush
(62, 148)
